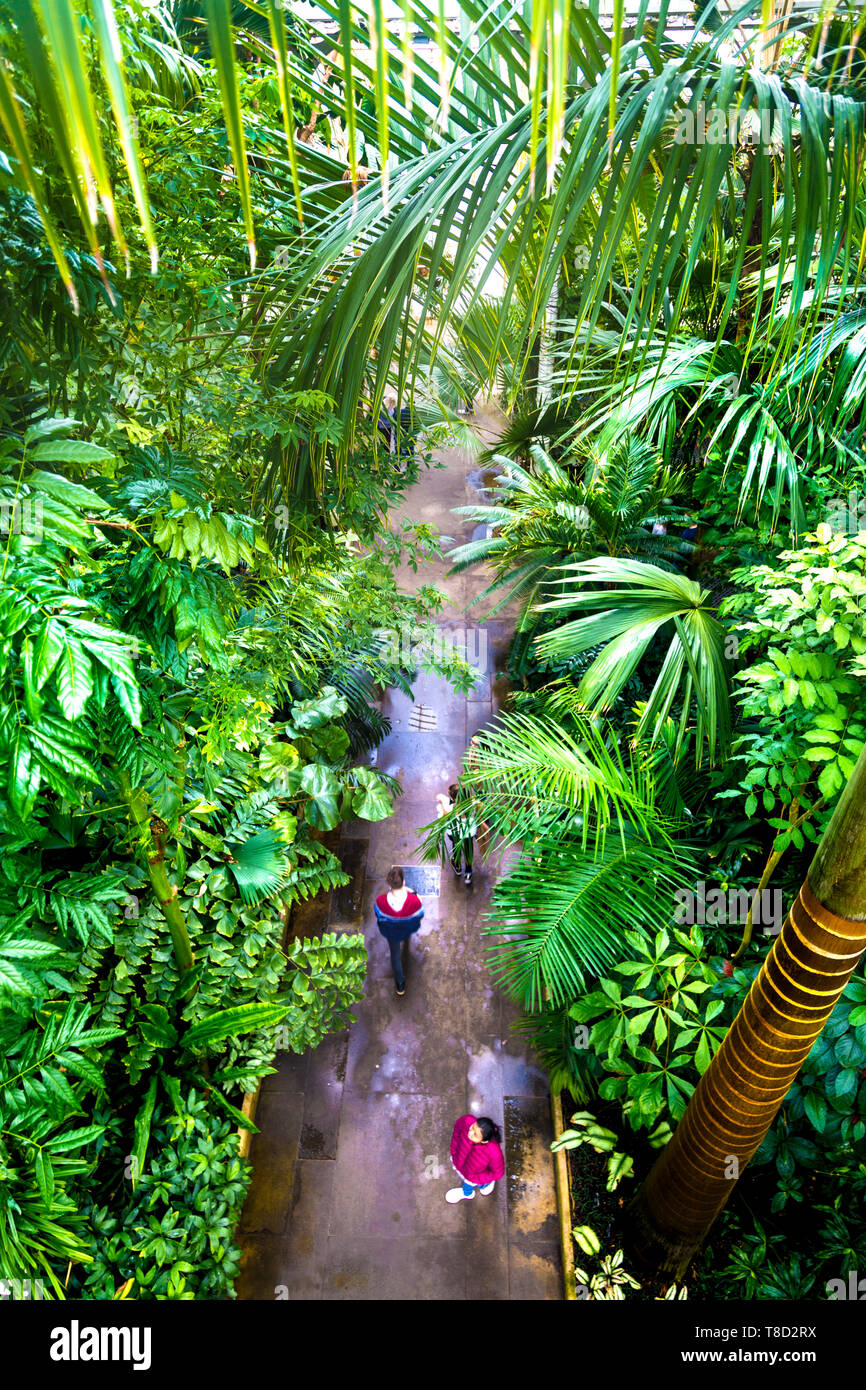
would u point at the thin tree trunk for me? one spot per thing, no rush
(747, 308)
(166, 893)
(738, 1096)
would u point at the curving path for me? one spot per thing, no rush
(351, 1166)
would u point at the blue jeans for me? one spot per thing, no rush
(396, 949)
(396, 930)
(469, 1187)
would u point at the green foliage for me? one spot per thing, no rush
(49, 1068)
(589, 1131)
(804, 621)
(120, 661)
(174, 1234)
(608, 1282)
(564, 914)
(552, 511)
(650, 1034)
(328, 978)
(628, 603)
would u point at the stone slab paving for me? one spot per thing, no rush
(352, 1163)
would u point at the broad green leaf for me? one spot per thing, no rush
(74, 1138)
(231, 1023)
(74, 678)
(45, 1177)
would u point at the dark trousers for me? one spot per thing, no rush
(395, 937)
(462, 853)
(396, 949)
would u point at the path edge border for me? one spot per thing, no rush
(563, 1201)
(248, 1109)
(251, 1098)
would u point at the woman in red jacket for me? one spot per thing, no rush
(398, 913)
(476, 1157)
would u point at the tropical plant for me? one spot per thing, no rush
(775, 418)
(589, 1131)
(599, 860)
(608, 1281)
(648, 1031)
(826, 1102)
(553, 511)
(654, 202)
(173, 1235)
(127, 710)
(628, 602)
(728, 1115)
(804, 726)
(49, 1065)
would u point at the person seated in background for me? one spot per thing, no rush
(398, 914)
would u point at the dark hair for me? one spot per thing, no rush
(454, 791)
(394, 877)
(489, 1130)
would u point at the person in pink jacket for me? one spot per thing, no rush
(476, 1157)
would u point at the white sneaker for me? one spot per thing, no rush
(487, 1189)
(457, 1194)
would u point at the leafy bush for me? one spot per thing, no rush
(174, 1235)
(651, 1034)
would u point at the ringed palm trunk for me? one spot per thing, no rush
(736, 1100)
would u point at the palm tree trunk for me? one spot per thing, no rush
(737, 1098)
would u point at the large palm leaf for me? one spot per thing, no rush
(553, 511)
(555, 783)
(470, 201)
(772, 418)
(561, 916)
(536, 781)
(628, 603)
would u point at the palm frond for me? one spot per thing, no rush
(532, 780)
(562, 914)
(259, 865)
(629, 603)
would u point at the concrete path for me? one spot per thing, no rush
(352, 1162)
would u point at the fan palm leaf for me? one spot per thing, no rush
(635, 603)
(258, 866)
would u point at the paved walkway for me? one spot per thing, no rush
(352, 1163)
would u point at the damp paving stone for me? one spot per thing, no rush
(528, 1135)
(265, 1277)
(403, 1268)
(323, 1098)
(534, 1272)
(312, 1143)
(274, 1152)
